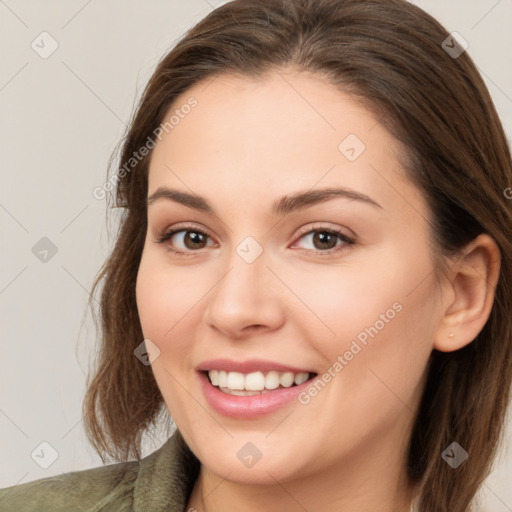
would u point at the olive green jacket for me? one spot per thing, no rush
(160, 482)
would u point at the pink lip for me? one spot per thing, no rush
(249, 366)
(247, 407)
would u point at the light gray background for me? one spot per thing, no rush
(61, 118)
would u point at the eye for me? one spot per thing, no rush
(186, 240)
(326, 240)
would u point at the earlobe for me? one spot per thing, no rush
(471, 285)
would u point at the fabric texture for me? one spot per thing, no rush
(160, 482)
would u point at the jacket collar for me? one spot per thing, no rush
(166, 477)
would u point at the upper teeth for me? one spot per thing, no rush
(255, 381)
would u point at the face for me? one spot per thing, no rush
(285, 243)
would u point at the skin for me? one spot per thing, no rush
(246, 144)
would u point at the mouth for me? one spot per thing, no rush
(255, 383)
(251, 389)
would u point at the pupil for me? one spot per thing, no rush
(196, 238)
(323, 237)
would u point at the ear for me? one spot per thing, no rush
(468, 294)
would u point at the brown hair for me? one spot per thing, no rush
(389, 54)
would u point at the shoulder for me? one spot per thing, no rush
(92, 489)
(160, 482)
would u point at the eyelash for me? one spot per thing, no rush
(347, 241)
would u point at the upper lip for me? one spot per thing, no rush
(248, 366)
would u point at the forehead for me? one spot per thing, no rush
(284, 131)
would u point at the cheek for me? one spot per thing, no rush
(165, 295)
(379, 316)
(165, 300)
(149, 293)
(349, 298)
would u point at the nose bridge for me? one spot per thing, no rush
(246, 268)
(243, 296)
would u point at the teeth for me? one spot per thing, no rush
(236, 380)
(240, 393)
(286, 379)
(300, 378)
(223, 379)
(214, 377)
(236, 383)
(254, 381)
(272, 380)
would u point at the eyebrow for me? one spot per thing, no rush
(284, 205)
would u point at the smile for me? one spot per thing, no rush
(251, 389)
(255, 383)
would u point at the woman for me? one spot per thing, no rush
(312, 275)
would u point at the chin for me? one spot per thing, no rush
(258, 462)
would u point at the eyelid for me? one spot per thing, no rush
(319, 226)
(347, 239)
(184, 226)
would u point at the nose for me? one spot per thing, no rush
(247, 299)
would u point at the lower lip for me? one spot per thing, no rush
(247, 407)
